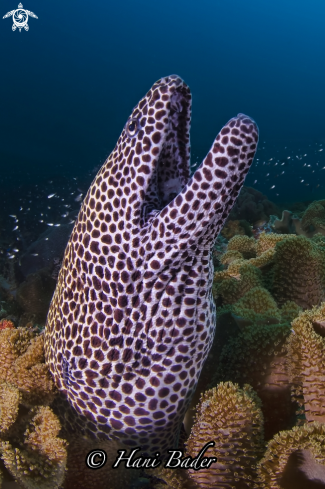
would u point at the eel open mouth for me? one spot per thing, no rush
(174, 159)
(160, 126)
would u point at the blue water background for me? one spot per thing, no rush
(68, 84)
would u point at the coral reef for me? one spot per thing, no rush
(292, 269)
(79, 476)
(257, 356)
(273, 467)
(22, 365)
(232, 289)
(35, 293)
(29, 445)
(253, 206)
(39, 460)
(233, 228)
(232, 418)
(306, 349)
(285, 225)
(308, 223)
(245, 245)
(299, 272)
(257, 305)
(6, 323)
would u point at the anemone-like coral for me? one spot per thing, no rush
(230, 256)
(257, 305)
(299, 272)
(306, 349)
(232, 418)
(293, 268)
(268, 241)
(39, 460)
(273, 466)
(289, 311)
(243, 244)
(232, 289)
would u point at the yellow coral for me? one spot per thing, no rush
(39, 463)
(271, 467)
(232, 418)
(268, 241)
(31, 375)
(243, 244)
(22, 364)
(9, 404)
(13, 342)
(306, 349)
(232, 289)
(230, 256)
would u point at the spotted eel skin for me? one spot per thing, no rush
(132, 318)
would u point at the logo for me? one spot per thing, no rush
(20, 18)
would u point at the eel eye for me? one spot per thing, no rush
(132, 127)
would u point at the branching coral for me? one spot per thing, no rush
(6, 323)
(232, 418)
(29, 447)
(22, 364)
(306, 348)
(272, 467)
(9, 404)
(39, 461)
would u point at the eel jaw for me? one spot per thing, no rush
(169, 109)
(174, 161)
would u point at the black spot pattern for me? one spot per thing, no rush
(132, 319)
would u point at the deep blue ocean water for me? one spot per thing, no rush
(69, 84)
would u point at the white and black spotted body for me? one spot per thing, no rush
(132, 318)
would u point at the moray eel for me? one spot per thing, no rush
(132, 318)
